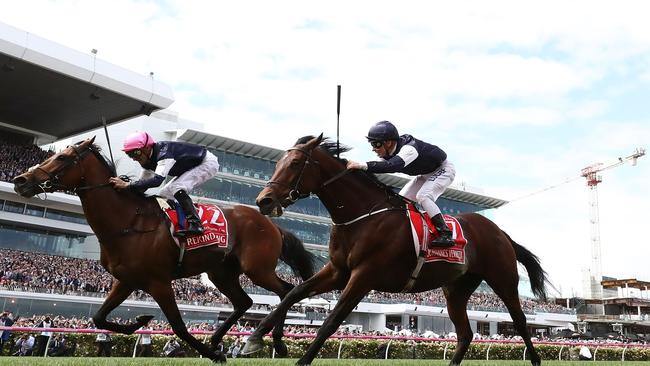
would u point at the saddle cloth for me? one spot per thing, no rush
(418, 220)
(215, 226)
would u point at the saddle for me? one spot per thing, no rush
(422, 227)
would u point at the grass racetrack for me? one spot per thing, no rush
(94, 361)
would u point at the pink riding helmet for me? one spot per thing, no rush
(137, 140)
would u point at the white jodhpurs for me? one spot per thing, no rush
(426, 188)
(191, 178)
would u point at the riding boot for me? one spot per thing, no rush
(444, 238)
(194, 226)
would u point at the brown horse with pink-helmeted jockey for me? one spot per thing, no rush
(139, 249)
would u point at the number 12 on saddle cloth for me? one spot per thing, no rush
(215, 226)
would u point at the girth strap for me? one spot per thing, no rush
(420, 260)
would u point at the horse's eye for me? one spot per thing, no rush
(294, 163)
(61, 157)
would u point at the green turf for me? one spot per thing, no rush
(78, 361)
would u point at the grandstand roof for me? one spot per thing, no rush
(51, 91)
(272, 154)
(631, 283)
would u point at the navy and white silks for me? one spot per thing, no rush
(189, 164)
(428, 163)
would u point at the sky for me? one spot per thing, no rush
(521, 95)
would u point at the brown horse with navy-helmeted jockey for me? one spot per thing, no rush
(371, 248)
(137, 247)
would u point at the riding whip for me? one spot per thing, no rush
(338, 113)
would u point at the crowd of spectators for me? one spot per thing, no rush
(16, 159)
(37, 272)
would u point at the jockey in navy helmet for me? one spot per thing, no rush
(189, 164)
(432, 172)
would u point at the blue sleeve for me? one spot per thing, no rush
(392, 165)
(144, 184)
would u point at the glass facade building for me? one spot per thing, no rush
(51, 240)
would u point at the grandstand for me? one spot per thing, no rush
(49, 253)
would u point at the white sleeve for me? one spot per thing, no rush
(164, 166)
(408, 153)
(146, 174)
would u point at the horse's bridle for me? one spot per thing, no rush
(53, 181)
(294, 193)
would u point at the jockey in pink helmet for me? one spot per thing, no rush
(189, 164)
(137, 140)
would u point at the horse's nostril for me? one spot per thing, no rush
(264, 201)
(20, 181)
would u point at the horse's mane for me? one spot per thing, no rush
(111, 167)
(97, 150)
(331, 148)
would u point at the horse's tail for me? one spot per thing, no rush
(536, 273)
(296, 256)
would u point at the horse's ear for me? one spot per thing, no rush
(92, 140)
(314, 142)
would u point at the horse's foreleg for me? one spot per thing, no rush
(119, 292)
(327, 279)
(164, 296)
(357, 288)
(241, 302)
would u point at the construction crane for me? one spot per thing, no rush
(592, 174)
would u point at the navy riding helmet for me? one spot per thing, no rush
(382, 131)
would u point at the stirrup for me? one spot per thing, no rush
(187, 233)
(442, 241)
(190, 231)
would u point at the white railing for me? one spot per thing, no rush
(341, 338)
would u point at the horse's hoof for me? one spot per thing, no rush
(280, 348)
(143, 319)
(218, 357)
(253, 344)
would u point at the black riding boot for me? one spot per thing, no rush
(194, 226)
(444, 238)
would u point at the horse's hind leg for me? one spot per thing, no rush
(164, 296)
(228, 284)
(119, 292)
(509, 293)
(457, 294)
